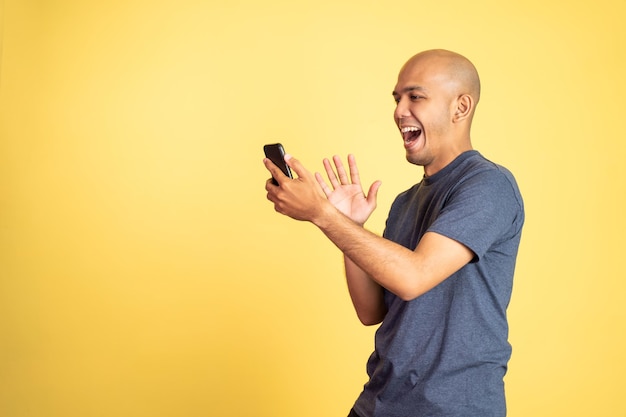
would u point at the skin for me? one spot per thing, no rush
(436, 94)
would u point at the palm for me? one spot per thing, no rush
(351, 201)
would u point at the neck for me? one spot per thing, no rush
(446, 158)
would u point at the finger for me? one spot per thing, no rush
(296, 166)
(325, 188)
(271, 189)
(330, 172)
(373, 193)
(354, 170)
(343, 176)
(276, 172)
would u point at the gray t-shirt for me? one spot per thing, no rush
(445, 353)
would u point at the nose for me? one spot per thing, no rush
(401, 111)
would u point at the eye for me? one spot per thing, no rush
(415, 97)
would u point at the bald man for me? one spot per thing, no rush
(439, 280)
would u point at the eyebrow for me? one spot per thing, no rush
(409, 89)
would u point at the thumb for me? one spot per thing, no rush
(372, 194)
(296, 165)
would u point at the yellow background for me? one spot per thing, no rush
(143, 272)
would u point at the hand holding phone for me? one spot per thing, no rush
(276, 153)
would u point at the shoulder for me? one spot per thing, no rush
(485, 176)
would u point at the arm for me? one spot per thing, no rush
(406, 273)
(366, 294)
(349, 199)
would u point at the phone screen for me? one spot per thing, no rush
(276, 153)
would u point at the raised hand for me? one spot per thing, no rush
(347, 193)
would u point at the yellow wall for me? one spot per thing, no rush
(142, 271)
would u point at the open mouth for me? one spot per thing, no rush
(410, 134)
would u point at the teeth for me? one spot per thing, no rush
(409, 129)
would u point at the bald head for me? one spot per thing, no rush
(453, 69)
(436, 96)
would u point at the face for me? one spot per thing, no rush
(423, 112)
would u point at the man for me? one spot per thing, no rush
(440, 278)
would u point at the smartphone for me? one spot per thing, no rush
(276, 153)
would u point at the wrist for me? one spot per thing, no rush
(330, 218)
(323, 218)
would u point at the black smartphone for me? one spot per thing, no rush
(276, 153)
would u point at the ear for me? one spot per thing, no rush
(464, 108)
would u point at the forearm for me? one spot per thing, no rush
(405, 273)
(366, 294)
(375, 257)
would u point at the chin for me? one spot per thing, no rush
(415, 159)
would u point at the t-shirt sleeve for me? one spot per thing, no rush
(482, 210)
